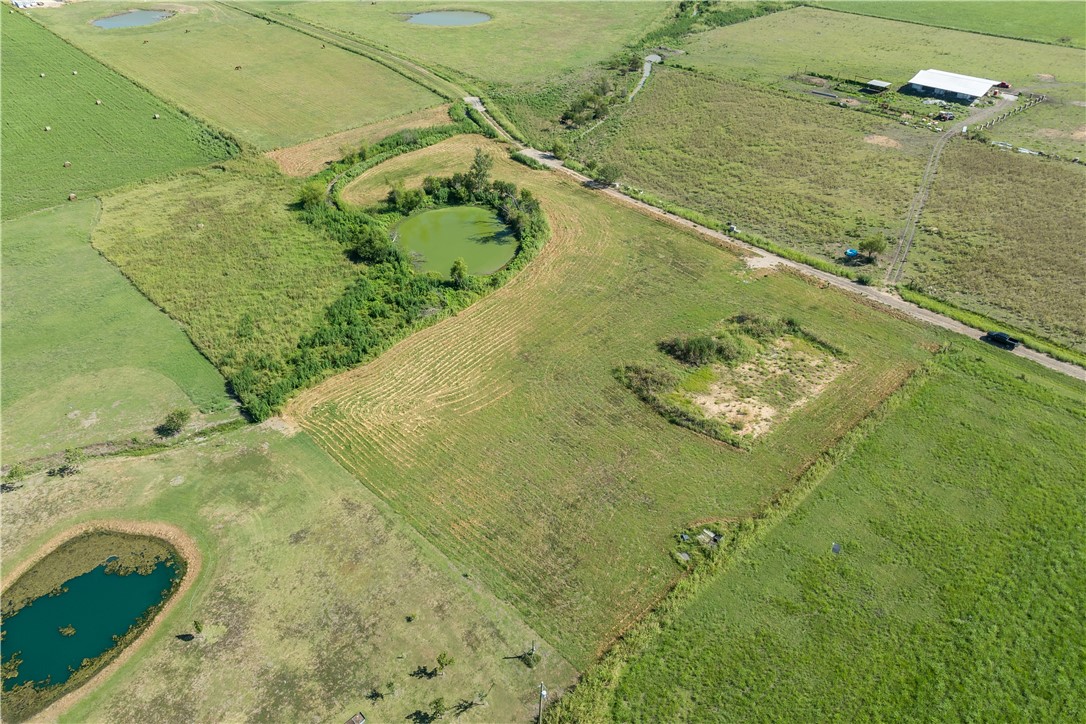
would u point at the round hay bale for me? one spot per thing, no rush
(41, 75)
(156, 116)
(199, 226)
(48, 128)
(67, 164)
(71, 197)
(98, 102)
(75, 72)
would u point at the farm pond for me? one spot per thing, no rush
(132, 19)
(448, 18)
(435, 239)
(75, 610)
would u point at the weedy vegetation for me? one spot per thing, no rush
(996, 238)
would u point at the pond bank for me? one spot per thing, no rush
(180, 541)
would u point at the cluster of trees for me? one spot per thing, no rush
(591, 105)
(389, 297)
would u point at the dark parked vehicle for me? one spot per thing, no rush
(1001, 339)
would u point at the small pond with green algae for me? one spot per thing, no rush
(448, 18)
(436, 238)
(132, 19)
(74, 610)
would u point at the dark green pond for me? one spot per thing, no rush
(98, 605)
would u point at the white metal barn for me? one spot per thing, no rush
(942, 83)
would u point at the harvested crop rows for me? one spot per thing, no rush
(501, 434)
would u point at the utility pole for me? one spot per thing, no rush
(542, 696)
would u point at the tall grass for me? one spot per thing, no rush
(1001, 236)
(794, 172)
(955, 548)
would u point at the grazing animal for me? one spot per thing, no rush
(145, 42)
(237, 67)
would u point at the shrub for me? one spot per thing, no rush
(72, 464)
(527, 160)
(706, 349)
(174, 423)
(606, 174)
(311, 195)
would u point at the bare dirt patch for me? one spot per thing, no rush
(1079, 134)
(883, 141)
(752, 396)
(283, 425)
(308, 158)
(1046, 77)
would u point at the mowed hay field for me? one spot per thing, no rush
(451, 156)
(801, 173)
(223, 252)
(306, 159)
(502, 435)
(523, 42)
(289, 88)
(1002, 234)
(107, 145)
(303, 595)
(86, 358)
(1048, 22)
(957, 592)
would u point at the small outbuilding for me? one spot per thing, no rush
(955, 85)
(878, 86)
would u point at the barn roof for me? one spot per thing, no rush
(953, 82)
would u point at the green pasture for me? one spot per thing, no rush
(1057, 126)
(502, 435)
(227, 257)
(289, 87)
(438, 237)
(304, 596)
(801, 173)
(86, 358)
(523, 43)
(776, 46)
(106, 145)
(998, 237)
(956, 592)
(1048, 22)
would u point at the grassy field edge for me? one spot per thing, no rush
(590, 699)
(819, 6)
(984, 324)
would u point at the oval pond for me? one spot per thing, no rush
(96, 605)
(435, 239)
(74, 610)
(448, 18)
(132, 19)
